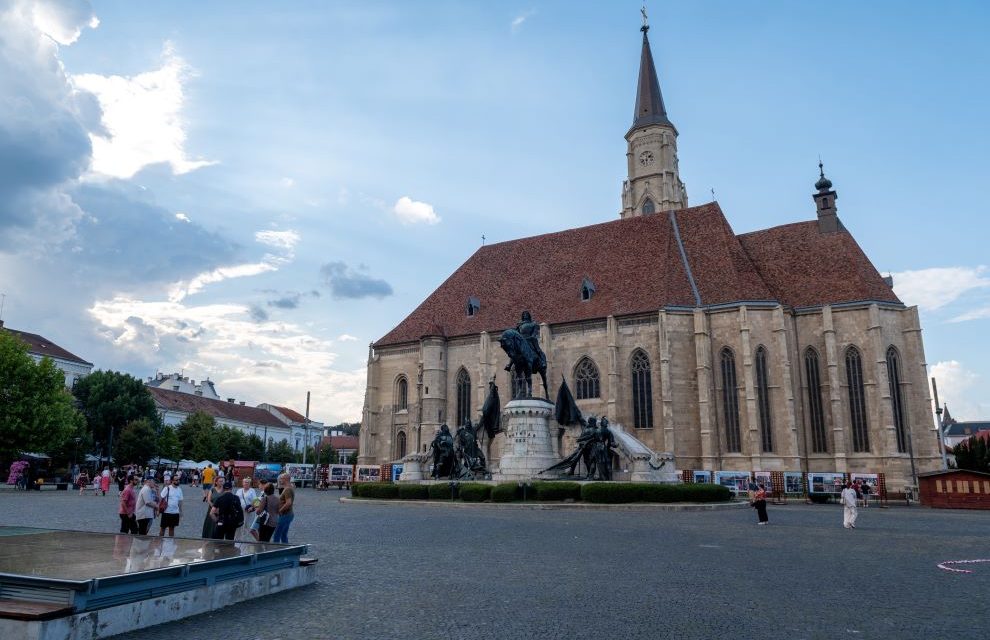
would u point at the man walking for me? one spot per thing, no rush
(229, 515)
(172, 495)
(849, 510)
(208, 476)
(128, 501)
(146, 507)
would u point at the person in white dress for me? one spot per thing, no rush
(247, 496)
(849, 509)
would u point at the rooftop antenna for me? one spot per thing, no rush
(482, 239)
(713, 195)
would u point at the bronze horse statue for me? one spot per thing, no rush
(525, 356)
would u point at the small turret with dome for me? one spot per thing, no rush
(828, 218)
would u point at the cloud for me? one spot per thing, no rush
(959, 388)
(937, 287)
(288, 183)
(518, 21)
(141, 119)
(290, 301)
(257, 313)
(181, 216)
(410, 211)
(345, 282)
(285, 241)
(63, 22)
(251, 358)
(346, 338)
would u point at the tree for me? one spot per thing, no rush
(168, 444)
(254, 448)
(137, 442)
(973, 454)
(36, 412)
(328, 455)
(188, 428)
(110, 400)
(280, 451)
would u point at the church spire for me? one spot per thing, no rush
(654, 183)
(649, 100)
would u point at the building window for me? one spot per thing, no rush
(730, 401)
(857, 400)
(649, 207)
(473, 306)
(400, 445)
(642, 391)
(763, 399)
(402, 394)
(586, 379)
(587, 289)
(816, 414)
(463, 397)
(894, 379)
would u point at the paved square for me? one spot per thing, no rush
(414, 571)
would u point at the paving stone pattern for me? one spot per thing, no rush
(478, 573)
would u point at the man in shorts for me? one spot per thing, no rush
(208, 476)
(172, 494)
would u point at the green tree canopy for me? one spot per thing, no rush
(110, 400)
(168, 444)
(207, 444)
(973, 455)
(187, 430)
(36, 412)
(280, 451)
(137, 443)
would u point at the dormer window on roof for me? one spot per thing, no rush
(587, 289)
(473, 306)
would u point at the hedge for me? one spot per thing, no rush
(505, 492)
(622, 492)
(553, 491)
(440, 491)
(377, 490)
(819, 498)
(414, 492)
(475, 492)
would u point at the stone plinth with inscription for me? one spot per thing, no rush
(528, 445)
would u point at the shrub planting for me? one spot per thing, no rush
(475, 492)
(440, 491)
(414, 492)
(376, 490)
(554, 491)
(505, 492)
(624, 492)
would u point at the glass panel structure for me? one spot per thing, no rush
(586, 379)
(816, 413)
(894, 379)
(642, 391)
(730, 402)
(763, 399)
(857, 401)
(463, 397)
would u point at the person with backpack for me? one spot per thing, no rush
(229, 514)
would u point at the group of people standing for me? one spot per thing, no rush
(141, 501)
(849, 498)
(247, 513)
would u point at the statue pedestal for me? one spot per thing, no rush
(412, 467)
(528, 445)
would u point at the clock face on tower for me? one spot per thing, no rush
(646, 158)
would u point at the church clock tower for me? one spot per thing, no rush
(654, 183)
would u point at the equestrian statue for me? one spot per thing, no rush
(522, 345)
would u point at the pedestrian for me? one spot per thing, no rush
(105, 480)
(120, 475)
(210, 522)
(247, 496)
(168, 477)
(146, 507)
(195, 478)
(267, 513)
(83, 481)
(172, 499)
(760, 503)
(849, 510)
(208, 476)
(286, 514)
(128, 502)
(229, 515)
(867, 490)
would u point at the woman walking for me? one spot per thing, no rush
(83, 481)
(209, 522)
(760, 502)
(105, 480)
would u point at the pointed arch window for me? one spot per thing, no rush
(463, 396)
(649, 207)
(402, 394)
(586, 380)
(400, 445)
(857, 400)
(894, 379)
(763, 399)
(587, 289)
(730, 401)
(642, 391)
(816, 412)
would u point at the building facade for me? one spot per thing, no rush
(175, 406)
(781, 349)
(67, 362)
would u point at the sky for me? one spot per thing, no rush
(254, 192)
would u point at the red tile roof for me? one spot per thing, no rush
(637, 267)
(806, 268)
(189, 403)
(42, 346)
(295, 416)
(340, 442)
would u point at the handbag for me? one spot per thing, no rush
(163, 503)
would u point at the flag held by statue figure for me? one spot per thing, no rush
(567, 412)
(491, 411)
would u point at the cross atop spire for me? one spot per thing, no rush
(649, 100)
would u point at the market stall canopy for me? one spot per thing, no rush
(188, 464)
(203, 463)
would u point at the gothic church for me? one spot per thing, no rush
(777, 350)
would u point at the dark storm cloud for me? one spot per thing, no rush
(345, 282)
(289, 301)
(125, 233)
(258, 314)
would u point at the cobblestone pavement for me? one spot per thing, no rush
(432, 572)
